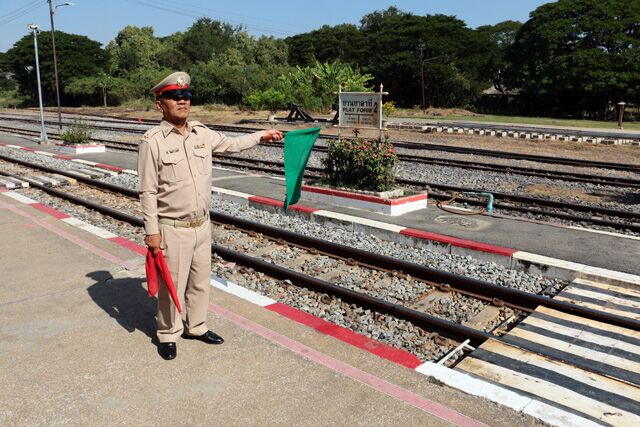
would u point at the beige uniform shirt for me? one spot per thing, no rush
(174, 170)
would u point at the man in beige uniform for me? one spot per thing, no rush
(174, 167)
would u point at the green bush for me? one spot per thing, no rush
(270, 99)
(77, 133)
(361, 163)
(389, 108)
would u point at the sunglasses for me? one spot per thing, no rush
(176, 95)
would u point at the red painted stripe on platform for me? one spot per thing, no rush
(62, 156)
(28, 149)
(3, 189)
(67, 236)
(280, 204)
(51, 211)
(376, 383)
(393, 354)
(462, 243)
(365, 197)
(132, 246)
(113, 168)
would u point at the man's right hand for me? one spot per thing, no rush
(153, 241)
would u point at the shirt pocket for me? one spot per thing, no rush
(174, 167)
(202, 160)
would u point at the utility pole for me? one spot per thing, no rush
(55, 63)
(43, 131)
(422, 46)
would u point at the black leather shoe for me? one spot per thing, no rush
(167, 350)
(208, 337)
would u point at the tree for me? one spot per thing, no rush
(577, 57)
(343, 43)
(100, 85)
(205, 38)
(133, 48)
(501, 36)
(78, 56)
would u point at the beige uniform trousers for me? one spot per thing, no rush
(188, 255)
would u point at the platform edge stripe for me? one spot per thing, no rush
(581, 333)
(63, 157)
(13, 146)
(358, 220)
(548, 261)
(100, 232)
(128, 244)
(380, 349)
(598, 306)
(45, 153)
(579, 360)
(241, 292)
(608, 233)
(109, 167)
(51, 211)
(130, 171)
(376, 383)
(503, 396)
(611, 275)
(462, 243)
(526, 384)
(86, 162)
(225, 191)
(19, 197)
(593, 325)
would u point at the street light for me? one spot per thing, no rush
(43, 132)
(52, 12)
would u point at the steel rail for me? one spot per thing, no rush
(461, 150)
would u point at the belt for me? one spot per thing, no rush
(189, 223)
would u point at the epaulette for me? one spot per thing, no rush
(152, 131)
(195, 123)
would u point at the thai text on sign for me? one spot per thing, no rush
(360, 109)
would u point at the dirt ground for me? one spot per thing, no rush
(234, 116)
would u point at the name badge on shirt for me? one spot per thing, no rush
(175, 150)
(203, 145)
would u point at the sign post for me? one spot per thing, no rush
(361, 110)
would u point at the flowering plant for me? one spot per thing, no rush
(361, 163)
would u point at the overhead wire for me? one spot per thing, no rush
(159, 5)
(21, 11)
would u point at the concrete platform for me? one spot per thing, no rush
(584, 248)
(77, 346)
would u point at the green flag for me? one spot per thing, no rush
(297, 149)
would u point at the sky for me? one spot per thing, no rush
(101, 20)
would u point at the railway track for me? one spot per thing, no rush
(505, 202)
(502, 334)
(419, 146)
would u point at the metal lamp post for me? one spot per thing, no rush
(621, 105)
(43, 133)
(52, 12)
(421, 47)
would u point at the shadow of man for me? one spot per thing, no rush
(126, 300)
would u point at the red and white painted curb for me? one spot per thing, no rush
(451, 377)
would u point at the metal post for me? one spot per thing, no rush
(43, 132)
(55, 64)
(421, 46)
(620, 113)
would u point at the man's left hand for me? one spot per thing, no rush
(272, 135)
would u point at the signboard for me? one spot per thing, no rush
(360, 109)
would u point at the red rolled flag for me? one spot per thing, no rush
(152, 265)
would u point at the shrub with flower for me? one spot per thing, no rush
(361, 163)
